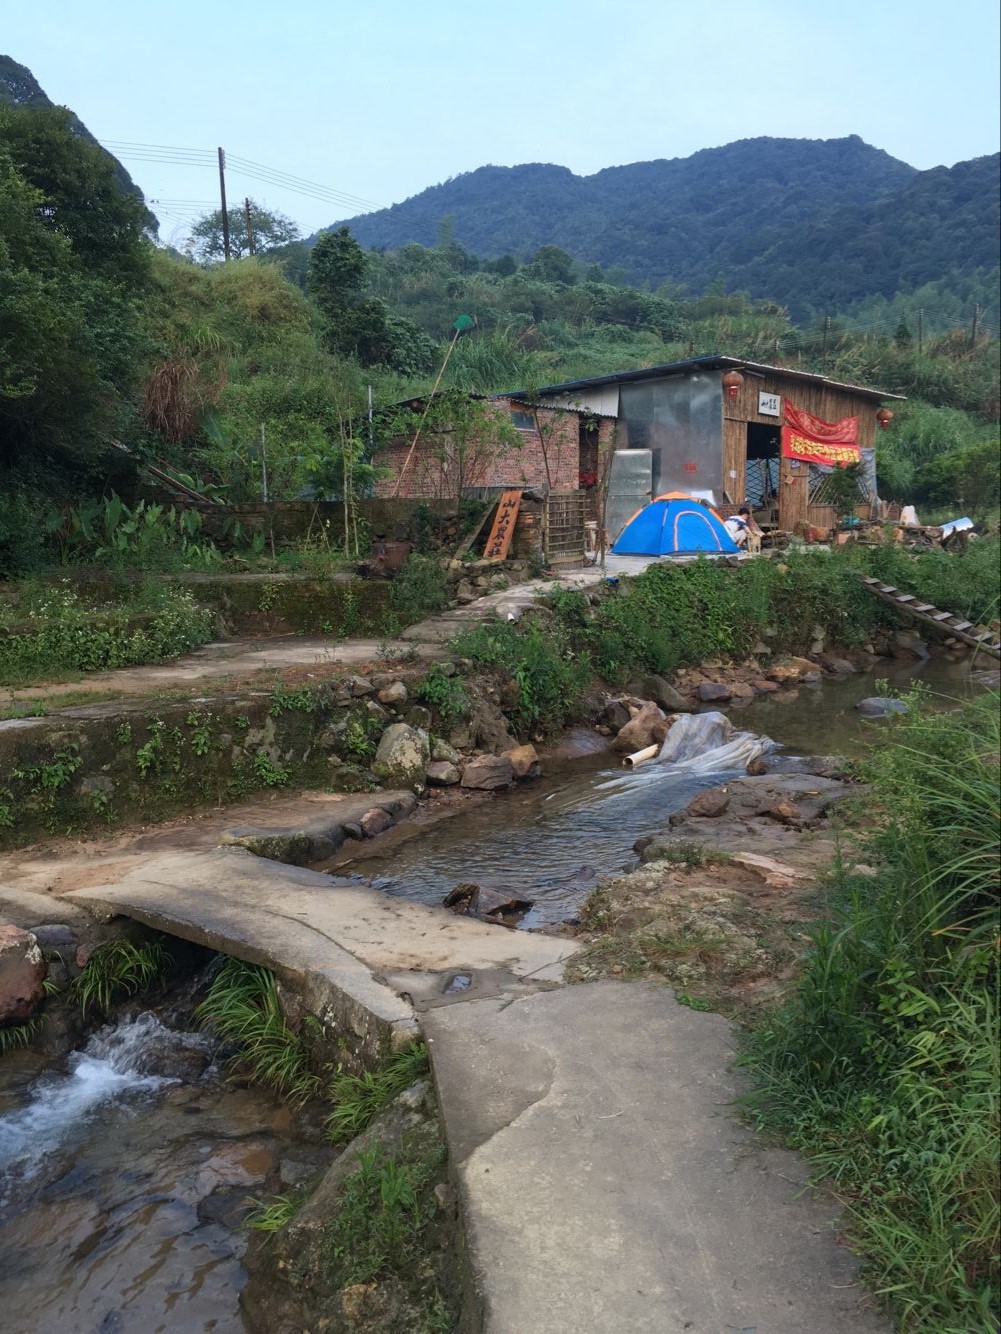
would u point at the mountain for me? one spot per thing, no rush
(804, 222)
(20, 88)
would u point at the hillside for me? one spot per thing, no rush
(20, 88)
(808, 223)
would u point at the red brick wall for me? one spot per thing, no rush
(431, 473)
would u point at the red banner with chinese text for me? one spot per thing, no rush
(812, 440)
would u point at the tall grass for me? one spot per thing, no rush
(243, 1007)
(884, 1065)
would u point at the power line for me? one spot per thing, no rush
(202, 157)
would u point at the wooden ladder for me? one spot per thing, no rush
(945, 622)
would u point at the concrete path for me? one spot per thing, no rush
(242, 660)
(607, 1186)
(363, 960)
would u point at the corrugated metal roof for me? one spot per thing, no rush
(701, 363)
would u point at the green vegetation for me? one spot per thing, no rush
(359, 1098)
(16, 1037)
(116, 969)
(55, 629)
(385, 1226)
(243, 1007)
(884, 1065)
(444, 693)
(273, 1215)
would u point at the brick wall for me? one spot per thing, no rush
(432, 470)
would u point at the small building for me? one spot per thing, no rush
(730, 431)
(508, 443)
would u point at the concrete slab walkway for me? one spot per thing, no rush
(607, 1185)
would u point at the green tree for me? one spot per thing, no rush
(271, 231)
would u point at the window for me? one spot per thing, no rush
(522, 421)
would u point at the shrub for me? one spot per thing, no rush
(420, 589)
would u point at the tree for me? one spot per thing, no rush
(270, 232)
(360, 326)
(73, 262)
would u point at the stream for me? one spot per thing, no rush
(547, 841)
(126, 1170)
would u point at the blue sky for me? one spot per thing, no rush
(379, 100)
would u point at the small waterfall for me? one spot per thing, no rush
(113, 1065)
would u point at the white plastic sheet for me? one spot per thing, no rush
(706, 743)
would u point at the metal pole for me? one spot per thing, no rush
(921, 327)
(264, 466)
(222, 197)
(250, 226)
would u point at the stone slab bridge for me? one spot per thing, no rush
(605, 1182)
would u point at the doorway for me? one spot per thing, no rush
(762, 476)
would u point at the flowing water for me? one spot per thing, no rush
(124, 1180)
(125, 1174)
(546, 841)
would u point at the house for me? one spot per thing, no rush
(474, 443)
(729, 431)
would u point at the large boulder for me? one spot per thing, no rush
(488, 772)
(442, 773)
(638, 733)
(711, 692)
(402, 757)
(22, 972)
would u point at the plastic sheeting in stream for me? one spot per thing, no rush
(707, 743)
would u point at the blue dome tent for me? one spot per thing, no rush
(674, 525)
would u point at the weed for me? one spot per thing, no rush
(116, 969)
(692, 1002)
(17, 1036)
(445, 694)
(149, 756)
(44, 781)
(358, 1098)
(275, 1214)
(243, 1007)
(386, 1208)
(692, 855)
(285, 698)
(201, 732)
(268, 773)
(123, 734)
(420, 589)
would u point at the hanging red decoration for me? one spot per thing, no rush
(884, 416)
(732, 381)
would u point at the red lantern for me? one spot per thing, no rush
(732, 381)
(884, 416)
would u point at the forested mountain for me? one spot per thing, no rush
(813, 224)
(20, 88)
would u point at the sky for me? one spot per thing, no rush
(375, 101)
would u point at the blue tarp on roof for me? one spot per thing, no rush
(673, 527)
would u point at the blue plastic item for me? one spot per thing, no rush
(672, 527)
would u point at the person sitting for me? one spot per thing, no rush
(744, 531)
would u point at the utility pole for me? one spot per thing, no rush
(250, 226)
(921, 327)
(827, 329)
(973, 330)
(222, 196)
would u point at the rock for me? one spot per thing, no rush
(787, 812)
(418, 716)
(638, 732)
(741, 690)
(908, 643)
(465, 593)
(710, 804)
(442, 751)
(661, 692)
(442, 773)
(393, 694)
(764, 687)
(489, 905)
(614, 715)
(402, 757)
(836, 666)
(375, 821)
(22, 972)
(784, 672)
(785, 696)
(291, 846)
(97, 785)
(359, 686)
(57, 937)
(488, 772)
(711, 692)
(877, 706)
(524, 761)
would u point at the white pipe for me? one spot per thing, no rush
(640, 757)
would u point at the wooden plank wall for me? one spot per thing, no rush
(821, 400)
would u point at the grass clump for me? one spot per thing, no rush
(15, 1037)
(549, 672)
(243, 1007)
(118, 969)
(884, 1065)
(273, 1216)
(359, 1098)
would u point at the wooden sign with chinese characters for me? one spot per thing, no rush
(499, 541)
